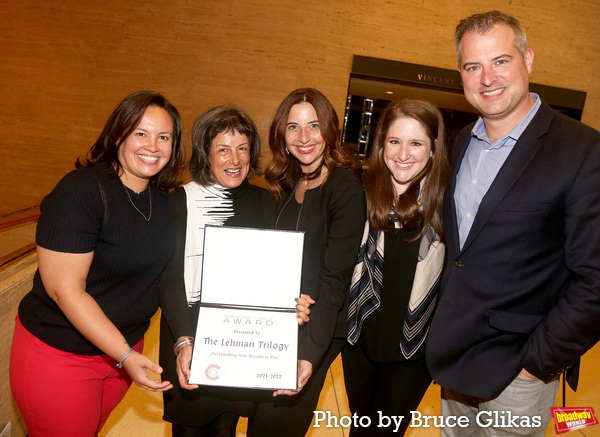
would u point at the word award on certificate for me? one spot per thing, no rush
(247, 334)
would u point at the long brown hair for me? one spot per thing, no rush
(284, 171)
(421, 205)
(123, 120)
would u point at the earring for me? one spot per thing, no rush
(287, 152)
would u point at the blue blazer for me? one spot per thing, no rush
(524, 291)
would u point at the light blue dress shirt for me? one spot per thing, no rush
(479, 167)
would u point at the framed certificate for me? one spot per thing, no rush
(247, 333)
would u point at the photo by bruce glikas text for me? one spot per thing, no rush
(484, 419)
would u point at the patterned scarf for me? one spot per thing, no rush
(367, 281)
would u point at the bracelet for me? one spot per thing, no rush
(125, 355)
(181, 343)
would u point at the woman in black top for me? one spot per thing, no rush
(225, 152)
(323, 198)
(104, 236)
(391, 301)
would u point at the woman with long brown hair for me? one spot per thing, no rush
(320, 196)
(394, 285)
(104, 236)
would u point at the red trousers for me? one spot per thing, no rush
(61, 394)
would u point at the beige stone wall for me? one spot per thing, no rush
(66, 64)
(15, 282)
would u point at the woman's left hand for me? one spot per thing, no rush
(305, 369)
(137, 365)
(303, 304)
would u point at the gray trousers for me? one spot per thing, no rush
(522, 409)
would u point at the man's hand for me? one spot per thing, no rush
(524, 374)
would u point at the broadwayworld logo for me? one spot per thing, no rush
(570, 419)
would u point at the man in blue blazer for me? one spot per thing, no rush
(520, 294)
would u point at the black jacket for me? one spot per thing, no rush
(332, 217)
(524, 291)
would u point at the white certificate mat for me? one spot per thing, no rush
(247, 333)
(253, 267)
(245, 348)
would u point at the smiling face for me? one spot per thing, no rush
(495, 76)
(303, 137)
(406, 152)
(229, 159)
(146, 150)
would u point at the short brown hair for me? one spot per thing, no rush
(483, 23)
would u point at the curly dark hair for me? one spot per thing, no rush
(216, 120)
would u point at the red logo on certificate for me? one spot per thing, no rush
(570, 419)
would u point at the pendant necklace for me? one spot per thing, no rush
(136, 208)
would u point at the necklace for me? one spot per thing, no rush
(309, 184)
(136, 208)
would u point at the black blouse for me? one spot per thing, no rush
(382, 330)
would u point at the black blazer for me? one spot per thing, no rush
(524, 291)
(333, 218)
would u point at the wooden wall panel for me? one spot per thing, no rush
(66, 64)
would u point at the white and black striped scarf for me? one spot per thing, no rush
(367, 280)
